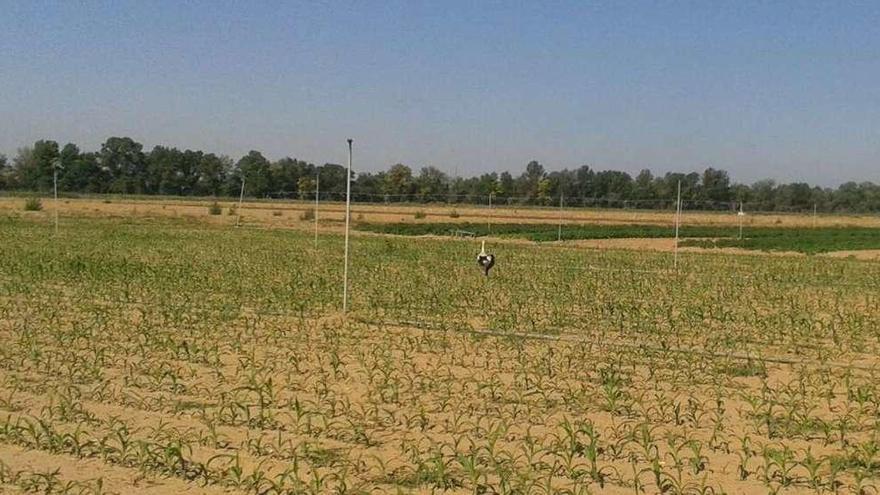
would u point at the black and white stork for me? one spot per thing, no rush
(486, 261)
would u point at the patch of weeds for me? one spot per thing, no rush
(33, 204)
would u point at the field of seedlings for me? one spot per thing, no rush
(162, 355)
(809, 240)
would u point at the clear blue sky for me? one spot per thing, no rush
(786, 90)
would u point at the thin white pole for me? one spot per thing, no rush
(489, 217)
(240, 200)
(55, 206)
(677, 222)
(814, 214)
(559, 234)
(741, 215)
(347, 219)
(317, 192)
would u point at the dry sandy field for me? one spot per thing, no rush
(149, 347)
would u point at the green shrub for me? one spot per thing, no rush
(215, 209)
(277, 213)
(307, 215)
(454, 214)
(419, 215)
(33, 204)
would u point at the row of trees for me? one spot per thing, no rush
(122, 166)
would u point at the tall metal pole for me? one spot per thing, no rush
(741, 214)
(240, 200)
(559, 234)
(677, 221)
(55, 205)
(317, 192)
(814, 214)
(347, 221)
(489, 216)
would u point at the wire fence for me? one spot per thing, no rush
(572, 201)
(485, 201)
(478, 200)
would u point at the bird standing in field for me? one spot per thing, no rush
(486, 261)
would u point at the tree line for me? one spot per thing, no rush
(122, 166)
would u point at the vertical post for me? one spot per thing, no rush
(55, 205)
(489, 216)
(741, 214)
(814, 215)
(677, 221)
(240, 200)
(317, 192)
(347, 219)
(559, 234)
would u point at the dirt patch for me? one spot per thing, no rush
(32, 470)
(638, 244)
(863, 255)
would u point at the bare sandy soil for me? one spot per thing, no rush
(695, 386)
(865, 255)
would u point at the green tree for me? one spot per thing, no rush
(366, 187)
(287, 172)
(643, 188)
(716, 185)
(5, 182)
(506, 185)
(213, 172)
(667, 187)
(741, 193)
(764, 195)
(122, 166)
(305, 187)
(34, 167)
(333, 180)
(527, 183)
(398, 181)
(165, 169)
(586, 178)
(486, 184)
(799, 196)
(613, 184)
(430, 183)
(254, 168)
(124, 161)
(80, 171)
(543, 193)
(563, 182)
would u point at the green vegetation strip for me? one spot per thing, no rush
(810, 241)
(805, 240)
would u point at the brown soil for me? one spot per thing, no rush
(376, 402)
(865, 255)
(287, 213)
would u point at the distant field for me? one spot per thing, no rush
(810, 241)
(287, 214)
(839, 234)
(805, 240)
